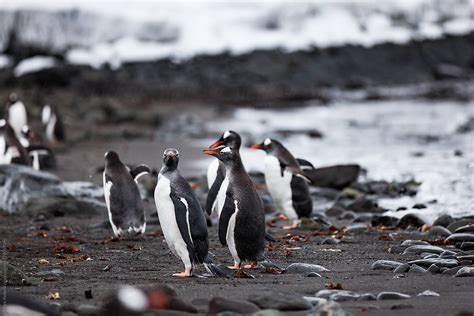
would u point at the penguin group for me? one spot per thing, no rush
(19, 144)
(232, 197)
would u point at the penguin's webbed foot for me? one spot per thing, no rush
(185, 274)
(283, 217)
(236, 266)
(253, 265)
(292, 226)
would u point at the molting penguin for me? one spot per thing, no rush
(286, 181)
(216, 176)
(11, 150)
(242, 220)
(181, 217)
(53, 125)
(124, 204)
(16, 113)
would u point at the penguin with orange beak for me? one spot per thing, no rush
(216, 173)
(242, 218)
(286, 182)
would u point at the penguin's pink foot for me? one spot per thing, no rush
(253, 265)
(292, 226)
(283, 217)
(184, 274)
(236, 266)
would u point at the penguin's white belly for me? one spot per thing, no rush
(212, 172)
(230, 237)
(2, 151)
(221, 195)
(167, 217)
(17, 116)
(279, 187)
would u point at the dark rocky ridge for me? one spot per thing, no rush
(265, 75)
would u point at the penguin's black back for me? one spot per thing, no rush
(125, 200)
(300, 196)
(180, 188)
(249, 231)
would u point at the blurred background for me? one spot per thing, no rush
(384, 84)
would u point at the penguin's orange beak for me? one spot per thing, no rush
(256, 147)
(218, 143)
(209, 152)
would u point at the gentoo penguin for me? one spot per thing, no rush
(216, 178)
(122, 197)
(286, 181)
(41, 156)
(53, 125)
(242, 220)
(16, 113)
(11, 150)
(181, 217)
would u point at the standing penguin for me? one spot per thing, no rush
(16, 113)
(216, 176)
(53, 125)
(286, 181)
(181, 217)
(124, 204)
(242, 220)
(11, 150)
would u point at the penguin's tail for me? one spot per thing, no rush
(217, 270)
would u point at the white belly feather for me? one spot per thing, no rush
(279, 187)
(230, 238)
(167, 217)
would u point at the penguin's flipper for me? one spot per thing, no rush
(295, 170)
(139, 171)
(182, 216)
(305, 164)
(217, 270)
(266, 263)
(212, 196)
(227, 212)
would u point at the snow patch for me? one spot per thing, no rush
(33, 64)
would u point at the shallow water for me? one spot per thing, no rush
(393, 140)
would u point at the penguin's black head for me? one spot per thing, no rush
(223, 153)
(12, 98)
(171, 157)
(268, 145)
(111, 157)
(228, 138)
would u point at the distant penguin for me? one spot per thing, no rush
(11, 150)
(286, 181)
(53, 125)
(242, 220)
(16, 113)
(216, 178)
(122, 197)
(42, 158)
(181, 217)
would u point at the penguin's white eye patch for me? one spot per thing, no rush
(226, 134)
(226, 150)
(267, 141)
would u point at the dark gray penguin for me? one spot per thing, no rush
(124, 204)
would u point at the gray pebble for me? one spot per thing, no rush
(417, 249)
(402, 306)
(439, 231)
(461, 237)
(433, 269)
(416, 269)
(452, 271)
(330, 241)
(280, 301)
(460, 223)
(392, 296)
(467, 245)
(465, 229)
(402, 268)
(428, 293)
(410, 242)
(385, 265)
(304, 268)
(447, 253)
(465, 272)
(440, 262)
(87, 310)
(367, 297)
(313, 275)
(344, 296)
(429, 255)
